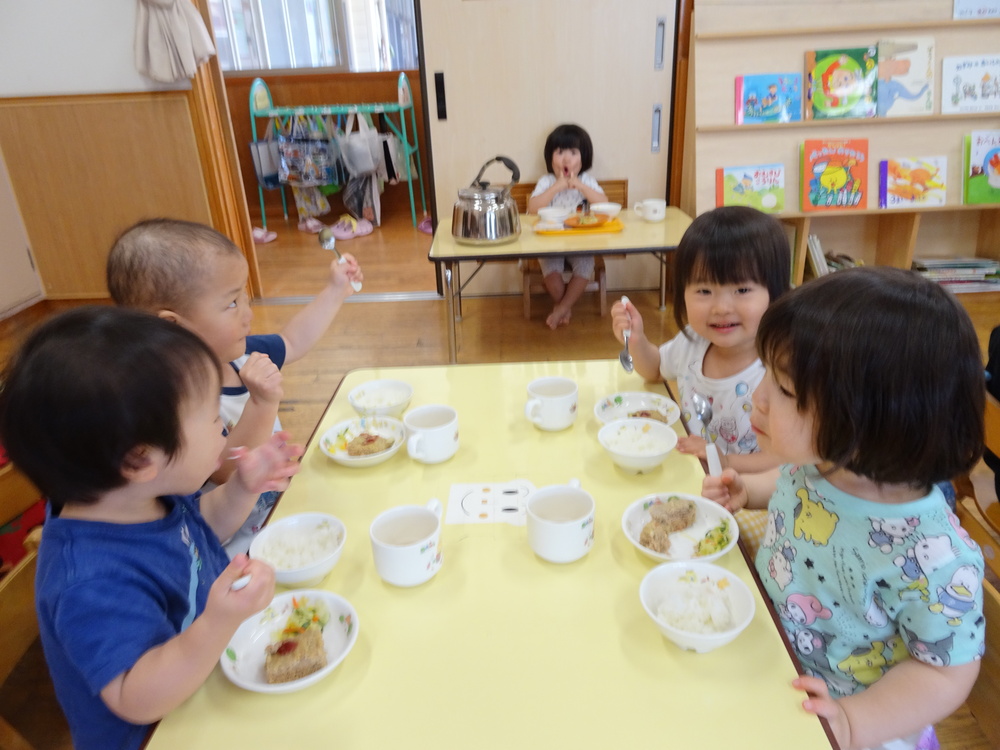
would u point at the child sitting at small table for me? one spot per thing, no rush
(114, 415)
(569, 153)
(875, 582)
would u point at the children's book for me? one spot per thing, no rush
(908, 182)
(768, 97)
(834, 174)
(981, 172)
(760, 186)
(970, 83)
(841, 83)
(966, 9)
(906, 76)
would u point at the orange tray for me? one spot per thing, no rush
(610, 227)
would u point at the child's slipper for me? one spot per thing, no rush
(425, 226)
(261, 236)
(312, 225)
(346, 227)
(364, 227)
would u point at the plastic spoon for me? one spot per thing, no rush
(240, 583)
(712, 457)
(328, 242)
(625, 358)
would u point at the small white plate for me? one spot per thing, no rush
(243, 660)
(708, 515)
(334, 441)
(620, 405)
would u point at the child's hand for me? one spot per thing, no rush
(342, 274)
(692, 445)
(625, 316)
(269, 466)
(262, 378)
(728, 490)
(562, 183)
(236, 606)
(820, 703)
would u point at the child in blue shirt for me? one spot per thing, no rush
(113, 414)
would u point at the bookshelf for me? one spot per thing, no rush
(739, 37)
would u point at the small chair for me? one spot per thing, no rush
(989, 512)
(18, 622)
(531, 271)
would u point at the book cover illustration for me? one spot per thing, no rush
(905, 77)
(841, 83)
(966, 9)
(981, 176)
(760, 186)
(970, 83)
(912, 182)
(834, 174)
(768, 97)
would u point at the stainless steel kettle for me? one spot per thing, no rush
(485, 214)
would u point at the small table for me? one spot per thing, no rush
(501, 649)
(638, 236)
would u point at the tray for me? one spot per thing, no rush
(615, 225)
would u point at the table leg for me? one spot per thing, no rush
(663, 281)
(449, 298)
(458, 291)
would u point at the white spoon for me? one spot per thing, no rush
(240, 583)
(625, 358)
(328, 242)
(712, 456)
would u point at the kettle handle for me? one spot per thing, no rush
(507, 162)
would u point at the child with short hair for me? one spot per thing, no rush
(569, 154)
(731, 263)
(191, 274)
(113, 414)
(875, 582)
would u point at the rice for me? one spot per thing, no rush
(379, 398)
(702, 607)
(290, 549)
(644, 440)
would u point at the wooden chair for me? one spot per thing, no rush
(18, 623)
(531, 271)
(989, 512)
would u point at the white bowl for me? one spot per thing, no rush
(554, 214)
(683, 544)
(686, 590)
(620, 405)
(284, 545)
(381, 398)
(611, 210)
(243, 660)
(637, 445)
(334, 441)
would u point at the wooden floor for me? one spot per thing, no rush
(385, 333)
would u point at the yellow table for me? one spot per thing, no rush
(502, 649)
(638, 236)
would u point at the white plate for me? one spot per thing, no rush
(620, 405)
(708, 515)
(332, 445)
(243, 660)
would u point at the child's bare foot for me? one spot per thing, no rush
(558, 317)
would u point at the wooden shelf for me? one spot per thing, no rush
(855, 122)
(903, 26)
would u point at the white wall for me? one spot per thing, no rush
(52, 47)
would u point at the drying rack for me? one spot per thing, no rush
(262, 106)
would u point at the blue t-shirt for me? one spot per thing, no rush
(107, 593)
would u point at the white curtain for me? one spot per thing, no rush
(171, 40)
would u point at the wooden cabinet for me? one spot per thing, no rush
(733, 38)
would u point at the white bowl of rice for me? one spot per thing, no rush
(637, 445)
(381, 398)
(697, 605)
(302, 548)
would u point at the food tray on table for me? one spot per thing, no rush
(609, 227)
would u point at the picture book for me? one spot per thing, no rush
(970, 83)
(768, 97)
(760, 186)
(968, 9)
(981, 172)
(841, 83)
(834, 174)
(908, 182)
(905, 76)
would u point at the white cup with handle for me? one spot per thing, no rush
(433, 433)
(551, 403)
(406, 543)
(560, 522)
(651, 209)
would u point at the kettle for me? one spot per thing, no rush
(485, 214)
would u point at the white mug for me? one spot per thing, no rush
(561, 522)
(406, 543)
(551, 403)
(652, 209)
(433, 433)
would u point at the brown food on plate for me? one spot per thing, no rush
(648, 414)
(296, 657)
(676, 514)
(366, 444)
